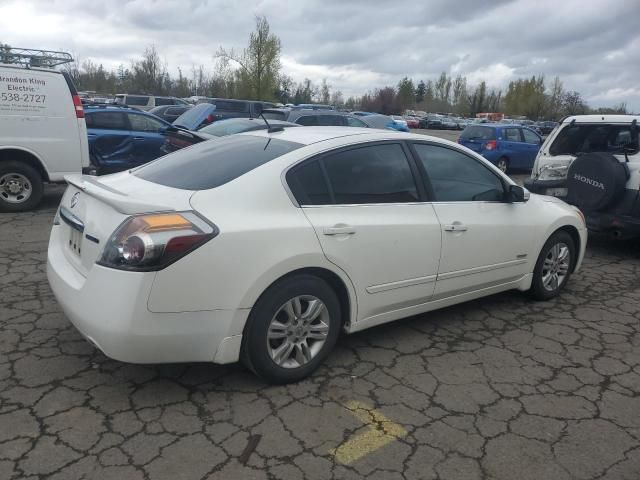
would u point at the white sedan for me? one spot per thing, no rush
(264, 246)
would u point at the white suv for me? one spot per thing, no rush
(593, 162)
(43, 135)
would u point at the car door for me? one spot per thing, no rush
(532, 142)
(485, 240)
(513, 147)
(148, 136)
(110, 140)
(365, 206)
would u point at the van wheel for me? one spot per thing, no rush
(21, 187)
(291, 329)
(503, 164)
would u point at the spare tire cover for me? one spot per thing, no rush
(596, 180)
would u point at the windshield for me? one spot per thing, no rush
(586, 138)
(211, 164)
(478, 133)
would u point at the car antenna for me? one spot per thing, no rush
(270, 129)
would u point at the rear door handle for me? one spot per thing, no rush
(138, 138)
(342, 230)
(455, 227)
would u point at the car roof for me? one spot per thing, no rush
(309, 135)
(602, 118)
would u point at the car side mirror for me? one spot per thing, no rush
(517, 194)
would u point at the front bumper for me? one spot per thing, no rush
(109, 308)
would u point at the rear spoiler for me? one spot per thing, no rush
(122, 202)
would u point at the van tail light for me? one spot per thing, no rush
(151, 242)
(491, 145)
(77, 105)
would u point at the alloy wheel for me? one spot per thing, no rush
(298, 331)
(556, 266)
(502, 165)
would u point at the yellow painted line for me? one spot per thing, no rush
(381, 432)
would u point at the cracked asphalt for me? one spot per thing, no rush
(499, 388)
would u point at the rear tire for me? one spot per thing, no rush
(291, 329)
(21, 187)
(553, 267)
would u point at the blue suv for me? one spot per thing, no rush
(506, 146)
(121, 138)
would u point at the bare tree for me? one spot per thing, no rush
(259, 63)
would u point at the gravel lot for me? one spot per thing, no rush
(500, 388)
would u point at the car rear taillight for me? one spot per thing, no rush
(77, 105)
(151, 242)
(491, 145)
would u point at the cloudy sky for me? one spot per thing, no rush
(594, 45)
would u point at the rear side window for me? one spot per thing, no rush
(230, 106)
(106, 120)
(586, 138)
(144, 123)
(479, 133)
(364, 175)
(309, 185)
(164, 101)
(214, 163)
(529, 136)
(512, 135)
(308, 121)
(331, 121)
(135, 100)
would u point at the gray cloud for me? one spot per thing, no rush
(361, 44)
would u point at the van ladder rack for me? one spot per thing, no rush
(31, 57)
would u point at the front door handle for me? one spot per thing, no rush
(455, 227)
(138, 138)
(339, 230)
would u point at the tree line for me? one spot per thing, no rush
(256, 73)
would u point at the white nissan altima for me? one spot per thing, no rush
(264, 246)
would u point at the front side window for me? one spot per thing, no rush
(143, 123)
(106, 120)
(456, 177)
(587, 138)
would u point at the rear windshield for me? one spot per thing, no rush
(230, 126)
(214, 163)
(478, 133)
(134, 100)
(377, 121)
(274, 115)
(585, 138)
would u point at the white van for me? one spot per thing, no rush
(146, 102)
(43, 135)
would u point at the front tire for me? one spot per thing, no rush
(291, 329)
(554, 266)
(21, 187)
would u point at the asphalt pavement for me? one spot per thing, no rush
(499, 388)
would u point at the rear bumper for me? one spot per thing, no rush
(623, 225)
(109, 308)
(543, 187)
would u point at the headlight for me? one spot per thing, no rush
(553, 172)
(151, 242)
